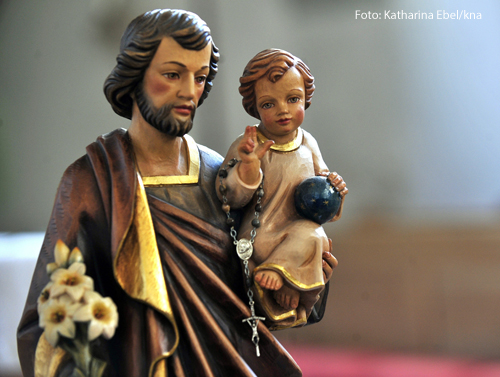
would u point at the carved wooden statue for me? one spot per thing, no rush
(140, 205)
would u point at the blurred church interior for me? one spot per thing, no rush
(407, 111)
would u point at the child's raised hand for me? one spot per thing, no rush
(251, 152)
(249, 148)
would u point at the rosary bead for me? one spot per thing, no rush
(255, 223)
(258, 208)
(226, 208)
(232, 162)
(249, 282)
(230, 221)
(260, 193)
(222, 189)
(223, 173)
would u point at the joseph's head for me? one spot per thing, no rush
(166, 65)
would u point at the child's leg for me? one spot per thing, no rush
(269, 279)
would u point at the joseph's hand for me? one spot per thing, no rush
(329, 263)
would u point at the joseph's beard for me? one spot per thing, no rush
(162, 119)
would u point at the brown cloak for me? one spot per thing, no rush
(94, 209)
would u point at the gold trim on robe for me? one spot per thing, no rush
(138, 267)
(287, 147)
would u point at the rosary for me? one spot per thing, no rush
(244, 247)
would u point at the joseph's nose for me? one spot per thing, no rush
(187, 89)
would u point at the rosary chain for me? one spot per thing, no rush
(253, 320)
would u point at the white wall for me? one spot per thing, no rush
(17, 262)
(406, 110)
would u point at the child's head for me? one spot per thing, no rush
(272, 64)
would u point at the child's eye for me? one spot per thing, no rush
(171, 75)
(266, 105)
(294, 99)
(201, 79)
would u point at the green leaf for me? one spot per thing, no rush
(97, 367)
(77, 373)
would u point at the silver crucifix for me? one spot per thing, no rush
(253, 322)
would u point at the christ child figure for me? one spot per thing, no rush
(287, 261)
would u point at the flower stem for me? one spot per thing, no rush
(79, 349)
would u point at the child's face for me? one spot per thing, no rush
(281, 105)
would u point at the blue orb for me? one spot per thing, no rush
(317, 200)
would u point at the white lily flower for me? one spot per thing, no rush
(75, 256)
(102, 314)
(44, 297)
(51, 267)
(63, 257)
(61, 253)
(56, 318)
(72, 281)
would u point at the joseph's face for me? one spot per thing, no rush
(176, 76)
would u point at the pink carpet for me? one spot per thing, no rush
(325, 362)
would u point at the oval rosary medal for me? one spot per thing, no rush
(244, 249)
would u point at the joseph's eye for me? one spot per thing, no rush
(171, 75)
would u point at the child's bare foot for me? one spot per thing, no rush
(269, 279)
(287, 298)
